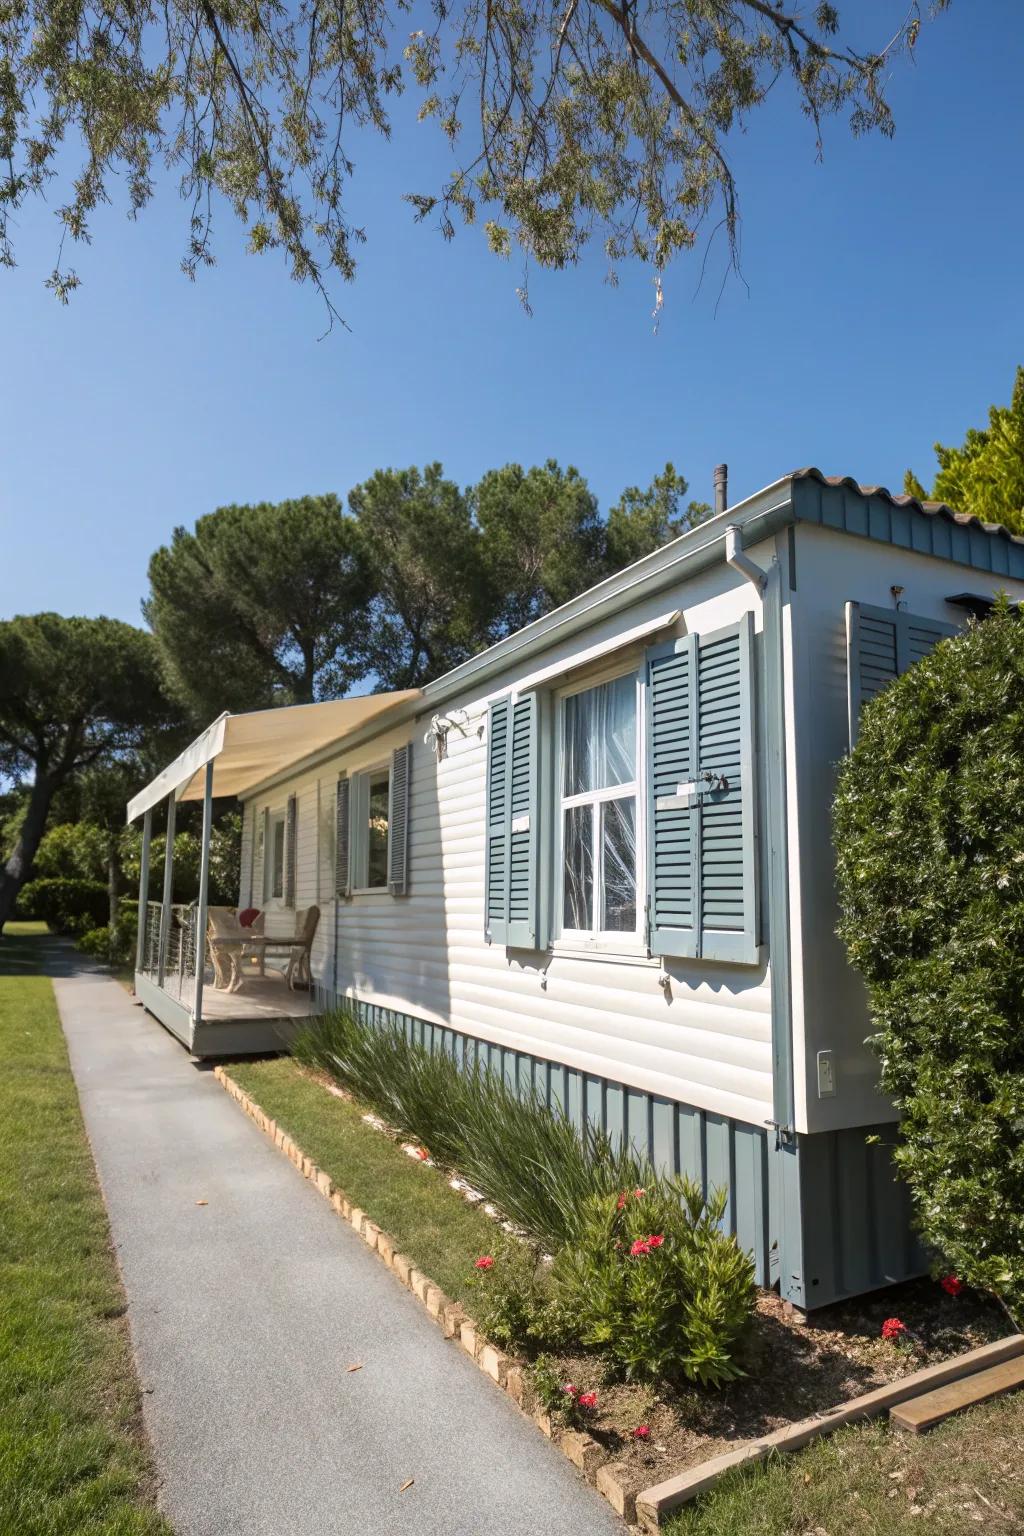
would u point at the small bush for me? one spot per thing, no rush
(113, 946)
(515, 1304)
(531, 1161)
(930, 861)
(656, 1286)
(68, 906)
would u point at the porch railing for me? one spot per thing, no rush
(177, 975)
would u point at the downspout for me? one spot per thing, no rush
(768, 585)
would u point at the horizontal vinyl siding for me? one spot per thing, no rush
(705, 1041)
(246, 856)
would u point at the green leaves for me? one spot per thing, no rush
(985, 476)
(566, 123)
(930, 864)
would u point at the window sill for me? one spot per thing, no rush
(369, 890)
(604, 949)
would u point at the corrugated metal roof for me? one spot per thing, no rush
(930, 508)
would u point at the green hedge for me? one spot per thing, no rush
(930, 857)
(69, 906)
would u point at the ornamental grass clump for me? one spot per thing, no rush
(929, 839)
(531, 1160)
(656, 1285)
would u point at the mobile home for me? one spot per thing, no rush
(598, 857)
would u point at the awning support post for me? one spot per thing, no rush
(204, 889)
(140, 943)
(165, 910)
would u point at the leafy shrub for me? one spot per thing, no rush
(561, 1399)
(514, 1301)
(531, 1161)
(930, 857)
(655, 1284)
(68, 906)
(74, 850)
(113, 946)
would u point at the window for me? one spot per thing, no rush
(327, 838)
(598, 809)
(371, 817)
(273, 875)
(377, 830)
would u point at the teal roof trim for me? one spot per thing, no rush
(927, 528)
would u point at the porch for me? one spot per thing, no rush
(263, 1014)
(175, 977)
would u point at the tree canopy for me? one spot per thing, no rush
(259, 605)
(74, 693)
(596, 119)
(985, 476)
(287, 604)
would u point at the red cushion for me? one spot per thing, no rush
(249, 916)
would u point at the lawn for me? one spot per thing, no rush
(72, 1454)
(875, 1480)
(432, 1224)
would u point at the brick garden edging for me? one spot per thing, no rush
(648, 1506)
(585, 1453)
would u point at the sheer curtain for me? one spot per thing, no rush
(599, 835)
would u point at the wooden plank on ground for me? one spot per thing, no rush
(932, 1407)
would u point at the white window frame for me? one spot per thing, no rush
(359, 829)
(274, 820)
(627, 943)
(326, 845)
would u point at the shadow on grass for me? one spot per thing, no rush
(30, 949)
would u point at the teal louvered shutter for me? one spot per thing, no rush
(702, 847)
(514, 909)
(496, 816)
(727, 853)
(342, 876)
(264, 854)
(883, 643)
(672, 797)
(291, 824)
(398, 820)
(524, 820)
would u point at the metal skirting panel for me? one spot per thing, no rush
(844, 1216)
(245, 1037)
(173, 1015)
(714, 1151)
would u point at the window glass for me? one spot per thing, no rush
(618, 856)
(328, 839)
(579, 868)
(599, 738)
(377, 836)
(277, 857)
(599, 794)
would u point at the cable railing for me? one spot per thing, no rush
(177, 975)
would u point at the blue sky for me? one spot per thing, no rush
(884, 310)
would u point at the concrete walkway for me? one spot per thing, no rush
(246, 1311)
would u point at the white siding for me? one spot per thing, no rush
(829, 1004)
(705, 1039)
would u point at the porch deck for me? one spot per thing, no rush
(265, 1015)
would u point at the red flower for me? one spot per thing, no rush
(484, 1263)
(569, 1389)
(638, 1194)
(620, 1202)
(951, 1285)
(587, 1399)
(640, 1247)
(422, 1154)
(642, 1432)
(893, 1328)
(655, 1240)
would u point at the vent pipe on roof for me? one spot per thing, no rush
(721, 487)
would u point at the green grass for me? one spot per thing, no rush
(431, 1223)
(872, 1479)
(72, 1454)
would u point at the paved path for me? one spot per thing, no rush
(245, 1313)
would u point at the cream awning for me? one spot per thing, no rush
(247, 749)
